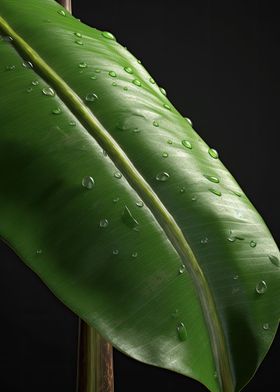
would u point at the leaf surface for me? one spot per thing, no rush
(112, 198)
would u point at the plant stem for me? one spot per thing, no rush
(95, 361)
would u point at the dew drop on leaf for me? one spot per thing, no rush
(213, 153)
(163, 91)
(79, 42)
(27, 64)
(204, 241)
(134, 255)
(82, 64)
(274, 260)
(166, 106)
(182, 331)
(215, 192)
(112, 74)
(108, 35)
(35, 82)
(103, 223)
(261, 287)
(182, 269)
(61, 12)
(187, 144)
(140, 204)
(253, 244)
(212, 178)
(118, 175)
(128, 218)
(115, 251)
(137, 82)
(128, 70)
(189, 121)
(152, 81)
(79, 35)
(48, 91)
(155, 123)
(164, 155)
(39, 251)
(91, 97)
(265, 326)
(56, 111)
(88, 182)
(162, 176)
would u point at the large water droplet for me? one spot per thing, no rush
(162, 176)
(165, 155)
(39, 251)
(189, 121)
(112, 74)
(103, 223)
(56, 111)
(79, 42)
(187, 144)
(88, 182)
(163, 91)
(140, 204)
(136, 82)
(274, 260)
(48, 91)
(91, 97)
(118, 175)
(128, 70)
(182, 331)
(261, 287)
(253, 244)
(182, 269)
(215, 192)
(152, 81)
(128, 218)
(61, 12)
(155, 123)
(108, 35)
(212, 178)
(213, 153)
(79, 35)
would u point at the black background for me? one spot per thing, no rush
(219, 62)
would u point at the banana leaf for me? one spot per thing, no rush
(110, 196)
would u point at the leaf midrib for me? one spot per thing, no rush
(139, 184)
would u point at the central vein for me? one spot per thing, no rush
(164, 218)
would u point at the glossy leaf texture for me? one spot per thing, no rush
(112, 198)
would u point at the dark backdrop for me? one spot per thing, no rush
(219, 62)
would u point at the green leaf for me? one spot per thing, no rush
(112, 198)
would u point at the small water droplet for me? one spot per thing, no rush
(27, 64)
(56, 111)
(35, 82)
(115, 252)
(182, 269)
(163, 91)
(114, 84)
(204, 241)
(235, 277)
(215, 192)
(137, 82)
(140, 204)
(7, 38)
(10, 67)
(162, 176)
(82, 64)
(274, 260)
(103, 223)
(261, 287)
(212, 178)
(155, 123)
(165, 155)
(93, 77)
(88, 182)
(189, 121)
(169, 141)
(116, 199)
(166, 106)
(231, 237)
(29, 89)
(237, 193)
(79, 42)
(128, 218)
(213, 153)
(91, 97)
(97, 70)
(118, 175)
(194, 198)
(152, 81)
(265, 326)
(112, 74)
(181, 331)
(187, 144)
(134, 255)
(253, 244)
(128, 70)
(39, 251)
(72, 123)
(182, 190)
(108, 35)
(61, 12)
(139, 61)
(48, 91)
(79, 35)
(125, 88)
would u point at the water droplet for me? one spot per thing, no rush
(29, 89)
(136, 130)
(82, 64)
(112, 74)
(134, 255)
(162, 176)
(27, 64)
(61, 12)
(116, 199)
(182, 269)
(169, 141)
(115, 252)
(237, 193)
(128, 218)
(97, 70)
(187, 144)
(88, 182)
(165, 155)
(213, 153)
(162, 90)
(140, 204)
(118, 175)
(182, 332)
(139, 62)
(79, 42)
(136, 82)
(72, 123)
(35, 82)
(48, 91)
(212, 178)
(93, 77)
(183, 190)
(7, 38)
(253, 244)
(235, 277)
(125, 88)
(108, 35)
(56, 111)
(231, 237)
(265, 326)
(39, 251)
(215, 192)
(261, 287)
(10, 67)
(274, 260)
(166, 106)
(114, 84)
(155, 123)
(103, 223)
(204, 240)
(152, 81)
(128, 70)
(189, 121)
(91, 97)
(79, 35)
